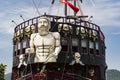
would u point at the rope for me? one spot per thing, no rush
(18, 74)
(69, 10)
(50, 9)
(80, 76)
(23, 70)
(93, 3)
(64, 65)
(26, 66)
(58, 9)
(30, 65)
(28, 60)
(36, 7)
(81, 12)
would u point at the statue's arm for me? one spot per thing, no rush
(57, 43)
(32, 40)
(31, 49)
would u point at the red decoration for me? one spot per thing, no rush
(71, 5)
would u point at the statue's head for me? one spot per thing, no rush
(43, 25)
(77, 55)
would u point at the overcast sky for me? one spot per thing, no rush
(106, 13)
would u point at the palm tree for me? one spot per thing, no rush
(2, 71)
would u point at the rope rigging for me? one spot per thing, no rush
(50, 9)
(25, 69)
(93, 3)
(36, 7)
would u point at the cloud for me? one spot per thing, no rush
(4, 44)
(116, 33)
(1, 15)
(105, 13)
(27, 12)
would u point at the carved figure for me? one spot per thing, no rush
(22, 61)
(45, 44)
(77, 58)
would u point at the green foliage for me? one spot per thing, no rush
(2, 71)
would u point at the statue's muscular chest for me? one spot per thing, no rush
(47, 40)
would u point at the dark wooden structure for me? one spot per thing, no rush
(78, 36)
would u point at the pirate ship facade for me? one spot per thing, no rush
(76, 36)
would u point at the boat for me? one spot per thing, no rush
(82, 56)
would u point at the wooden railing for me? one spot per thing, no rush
(78, 20)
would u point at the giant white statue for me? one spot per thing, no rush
(45, 44)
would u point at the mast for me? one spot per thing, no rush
(65, 10)
(74, 5)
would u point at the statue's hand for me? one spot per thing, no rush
(29, 50)
(50, 56)
(53, 55)
(81, 63)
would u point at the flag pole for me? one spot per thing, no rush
(65, 12)
(74, 5)
(65, 9)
